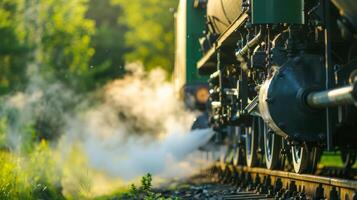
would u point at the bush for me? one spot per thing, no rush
(33, 178)
(145, 191)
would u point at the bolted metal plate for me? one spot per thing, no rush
(286, 96)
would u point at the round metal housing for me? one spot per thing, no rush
(282, 99)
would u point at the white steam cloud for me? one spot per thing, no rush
(141, 127)
(138, 127)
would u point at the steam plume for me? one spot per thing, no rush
(141, 127)
(137, 127)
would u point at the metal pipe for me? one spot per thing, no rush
(335, 97)
(250, 44)
(328, 69)
(215, 74)
(215, 104)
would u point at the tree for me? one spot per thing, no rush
(52, 37)
(43, 42)
(108, 41)
(12, 51)
(151, 31)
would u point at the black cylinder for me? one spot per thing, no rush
(334, 97)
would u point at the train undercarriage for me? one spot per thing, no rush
(283, 84)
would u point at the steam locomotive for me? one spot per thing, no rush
(277, 78)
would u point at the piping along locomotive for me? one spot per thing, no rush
(282, 77)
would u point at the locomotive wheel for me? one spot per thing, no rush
(272, 147)
(251, 143)
(224, 151)
(348, 158)
(230, 155)
(239, 156)
(305, 159)
(228, 149)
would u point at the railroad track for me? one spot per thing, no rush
(210, 188)
(228, 182)
(219, 192)
(284, 185)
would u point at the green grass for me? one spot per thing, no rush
(31, 177)
(144, 192)
(38, 175)
(332, 159)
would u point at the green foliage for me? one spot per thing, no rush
(108, 41)
(145, 190)
(77, 179)
(46, 43)
(79, 44)
(82, 42)
(151, 31)
(60, 36)
(3, 127)
(146, 182)
(28, 117)
(12, 50)
(43, 173)
(52, 36)
(29, 178)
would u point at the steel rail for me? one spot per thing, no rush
(266, 181)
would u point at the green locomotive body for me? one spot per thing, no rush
(190, 24)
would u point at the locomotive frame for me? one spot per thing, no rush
(283, 74)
